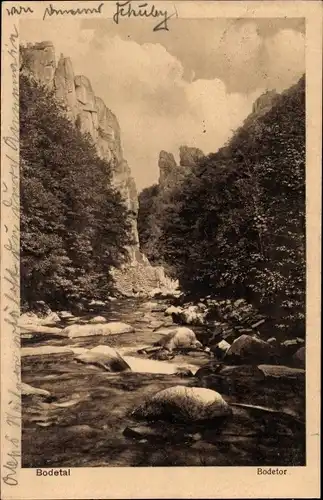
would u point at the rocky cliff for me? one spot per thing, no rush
(264, 102)
(171, 174)
(89, 113)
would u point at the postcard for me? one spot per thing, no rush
(160, 249)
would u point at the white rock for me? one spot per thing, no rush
(31, 319)
(113, 328)
(97, 303)
(224, 346)
(97, 319)
(192, 315)
(51, 319)
(184, 403)
(28, 318)
(104, 357)
(66, 315)
(179, 338)
(173, 310)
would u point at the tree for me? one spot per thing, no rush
(236, 225)
(74, 225)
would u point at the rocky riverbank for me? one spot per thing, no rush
(132, 382)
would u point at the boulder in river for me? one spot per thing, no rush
(42, 331)
(113, 328)
(97, 319)
(173, 310)
(192, 315)
(104, 357)
(180, 403)
(97, 303)
(66, 315)
(30, 319)
(249, 349)
(221, 349)
(179, 338)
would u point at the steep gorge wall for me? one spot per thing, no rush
(90, 113)
(171, 174)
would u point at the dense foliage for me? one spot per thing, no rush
(236, 227)
(148, 222)
(74, 226)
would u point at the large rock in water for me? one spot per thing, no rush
(104, 357)
(192, 315)
(179, 338)
(97, 320)
(180, 403)
(248, 349)
(90, 330)
(31, 319)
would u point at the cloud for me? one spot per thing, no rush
(285, 58)
(157, 105)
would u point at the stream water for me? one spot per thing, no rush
(88, 420)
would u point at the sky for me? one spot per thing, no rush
(193, 85)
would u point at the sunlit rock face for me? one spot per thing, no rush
(188, 156)
(171, 174)
(39, 59)
(264, 102)
(90, 114)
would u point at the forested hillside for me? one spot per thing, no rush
(74, 226)
(236, 226)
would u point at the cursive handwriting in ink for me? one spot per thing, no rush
(50, 11)
(125, 9)
(16, 11)
(13, 419)
(10, 296)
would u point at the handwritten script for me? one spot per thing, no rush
(143, 10)
(51, 10)
(10, 270)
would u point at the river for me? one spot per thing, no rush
(88, 422)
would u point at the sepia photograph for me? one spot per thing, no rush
(158, 301)
(163, 243)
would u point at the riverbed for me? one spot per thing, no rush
(88, 422)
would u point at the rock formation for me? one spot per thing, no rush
(264, 102)
(90, 114)
(188, 156)
(171, 174)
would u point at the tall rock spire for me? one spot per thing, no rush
(90, 113)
